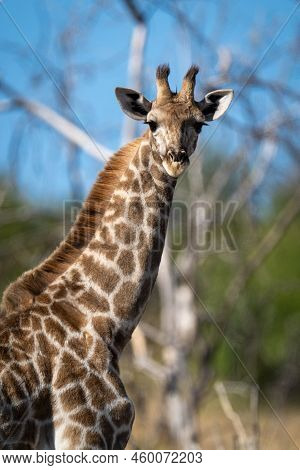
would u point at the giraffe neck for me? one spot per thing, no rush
(116, 272)
(21, 293)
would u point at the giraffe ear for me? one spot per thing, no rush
(215, 104)
(134, 104)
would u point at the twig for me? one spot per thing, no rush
(231, 415)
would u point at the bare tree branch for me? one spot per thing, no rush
(232, 415)
(135, 63)
(62, 125)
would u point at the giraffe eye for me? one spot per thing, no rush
(152, 125)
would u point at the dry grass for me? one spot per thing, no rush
(215, 430)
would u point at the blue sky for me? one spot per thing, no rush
(42, 174)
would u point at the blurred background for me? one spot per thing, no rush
(215, 361)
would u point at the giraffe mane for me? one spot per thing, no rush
(19, 295)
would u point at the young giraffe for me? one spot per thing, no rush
(59, 378)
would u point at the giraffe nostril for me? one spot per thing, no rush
(179, 156)
(171, 154)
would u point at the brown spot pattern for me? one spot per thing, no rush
(45, 347)
(136, 186)
(94, 440)
(61, 292)
(72, 397)
(144, 156)
(122, 413)
(143, 257)
(69, 315)
(85, 417)
(105, 277)
(152, 220)
(99, 391)
(126, 262)
(104, 327)
(110, 250)
(147, 181)
(44, 299)
(124, 299)
(55, 330)
(93, 301)
(125, 234)
(135, 211)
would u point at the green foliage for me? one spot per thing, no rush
(263, 325)
(27, 235)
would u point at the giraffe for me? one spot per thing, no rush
(60, 384)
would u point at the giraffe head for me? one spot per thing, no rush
(175, 119)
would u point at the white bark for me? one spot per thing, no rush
(135, 73)
(68, 129)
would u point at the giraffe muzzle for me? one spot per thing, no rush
(179, 157)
